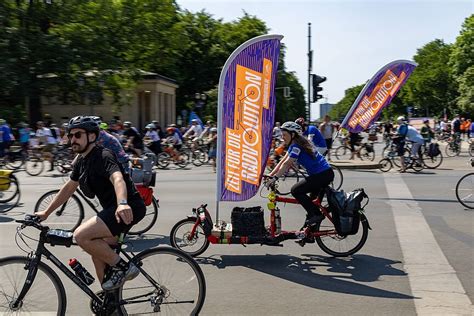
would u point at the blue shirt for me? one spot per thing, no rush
(110, 142)
(313, 164)
(6, 132)
(318, 139)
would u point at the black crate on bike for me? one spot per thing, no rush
(248, 221)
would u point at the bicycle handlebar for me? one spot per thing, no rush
(32, 220)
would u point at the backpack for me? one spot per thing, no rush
(433, 150)
(345, 209)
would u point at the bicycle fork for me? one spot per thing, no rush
(32, 267)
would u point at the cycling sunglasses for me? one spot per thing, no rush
(76, 135)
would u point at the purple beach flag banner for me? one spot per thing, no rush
(377, 94)
(246, 111)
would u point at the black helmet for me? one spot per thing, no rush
(86, 123)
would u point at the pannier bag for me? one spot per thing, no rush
(59, 237)
(5, 180)
(141, 171)
(248, 221)
(146, 193)
(345, 209)
(433, 150)
(369, 148)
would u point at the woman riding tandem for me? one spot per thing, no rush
(320, 172)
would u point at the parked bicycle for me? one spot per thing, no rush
(70, 215)
(194, 234)
(170, 281)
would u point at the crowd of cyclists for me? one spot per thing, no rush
(125, 139)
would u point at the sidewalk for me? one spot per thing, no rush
(356, 164)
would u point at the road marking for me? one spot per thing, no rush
(433, 281)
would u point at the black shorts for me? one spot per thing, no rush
(401, 148)
(108, 216)
(328, 143)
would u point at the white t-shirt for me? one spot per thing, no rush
(413, 135)
(45, 132)
(197, 129)
(153, 135)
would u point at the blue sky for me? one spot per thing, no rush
(351, 39)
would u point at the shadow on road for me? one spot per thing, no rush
(145, 241)
(304, 271)
(5, 219)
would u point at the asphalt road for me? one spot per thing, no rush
(255, 280)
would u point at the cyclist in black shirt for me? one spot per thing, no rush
(134, 139)
(97, 172)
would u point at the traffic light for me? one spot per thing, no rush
(316, 81)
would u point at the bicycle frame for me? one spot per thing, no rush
(273, 238)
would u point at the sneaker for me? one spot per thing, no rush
(117, 277)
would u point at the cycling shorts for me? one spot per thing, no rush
(107, 215)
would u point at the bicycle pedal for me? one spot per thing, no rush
(300, 242)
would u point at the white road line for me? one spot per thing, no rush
(433, 281)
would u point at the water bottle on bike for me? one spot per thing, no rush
(81, 272)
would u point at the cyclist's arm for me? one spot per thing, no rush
(63, 195)
(124, 212)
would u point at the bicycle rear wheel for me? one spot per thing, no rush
(367, 154)
(341, 246)
(174, 285)
(148, 221)
(432, 162)
(68, 216)
(34, 166)
(385, 165)
(14, 272)
(465, 190)
(343, 153)
(452, 150)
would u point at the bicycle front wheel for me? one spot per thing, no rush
(341, 246)
(9, 193)
(68, 216)
(180, 237)
(465, 190)
(34, 166)
(148, 221)
(343, 153)
(14, 272)
(170, 283)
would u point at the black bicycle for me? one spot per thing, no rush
(70, 215)
(170, 281)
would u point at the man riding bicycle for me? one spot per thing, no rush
(314, 135)
(97, 172)
(410, 133)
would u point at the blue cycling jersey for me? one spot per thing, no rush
(318, 139)
(313, 164)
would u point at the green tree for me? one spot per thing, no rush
(462, 65)
(339, 111)
(431, 88)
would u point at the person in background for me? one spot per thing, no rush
(158, 129)
(24, 132)
(5, 137)
(465, 127)
(212, 142)
(313, 134)
(327, 130)
(277, 132)
(410, 133)
(426, 132)
(154, 139)
(55, 132)
(48, 141)
(134, 139)
(354, 140)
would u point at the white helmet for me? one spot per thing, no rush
(291, 126)
(401, 118)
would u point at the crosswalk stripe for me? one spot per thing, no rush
(433, 281)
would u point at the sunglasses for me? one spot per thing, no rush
(76, 135)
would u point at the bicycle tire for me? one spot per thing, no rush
(367, 155)
(465, 190)
(179, 240)
(471, 149)
(163, 160)
(14, 267)
(432, 162)
(385, 165)
(34, 166)
(336, 184)
(148, 221)
(184, 159)
(396, 160)
(323, 241)
(343, 153)
(15, 162)
(450, 151)
(174, 272)
(70, 213)
(286, 182)
(196, 157)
